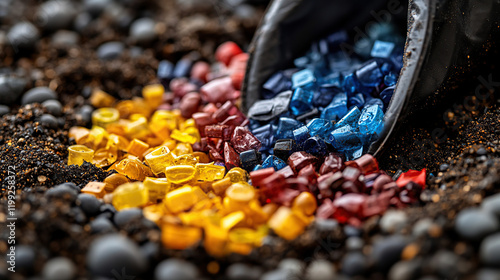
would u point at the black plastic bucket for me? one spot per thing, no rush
(446, 42)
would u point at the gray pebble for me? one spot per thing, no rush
(49, 121)
(277, 274)
(38, 95)
(59, 268)
(354, 263)
(492, 204)
(101, 225)
(54, 107)
(387, 251)
(320, 270)
(392, 221)
(490, 251)
(62, 191)
(65, 38)
(11, 88)
(444, 264)
(110, 50)
(176, 269)
(354, 243)
(95, 7)
(25, 259)
(488, 274)
(115, 253)
(85, 113)
(404, 270)
(143, 30)
(55, 14)
(4, 109)
(474, 224)
(421, 227)
(125, 216)
(89, 204)
(82, 21)
(240, 271)
(23, 35)
(294, 266)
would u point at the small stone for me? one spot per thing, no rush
(65, 38)
(59, 268)
(54, 107)
(354, 243)
(320, 270)
(38, 95)
(387, 251)
(114, 253)
(354, 263)
(490, 251)
(89, 204)
(239, 271)
(393, 221)
(55, 14)
(488, 274)
(404, 270)
(125, 216)
(293, 266)
(492, 205)
(443, 167)
(143, 30)
(110, 50)
(49, 121)
(101, 225)
(422, 227)
(10, 89)
(474, 224)
(62, 191)
(277, 274)
(445, 263)
(95, 7)
(4, 109)
(482, 151)
(25, 259)
(23, 35)
(176, 269)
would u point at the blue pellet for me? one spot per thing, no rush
(304, 79)
(374, 101)
(345, 138)
(183, 68)
(320, 127)
(358, 100)
(371, 120)
(386, 94)
(265, 136)
(315, 146)
(391, 79)
(274, 162)
(350, 119)
(300, 135)
(286, 126)
(382, 49)
(276, 84)
(337, 108)
(369, 75)
(257, 167)
(301, 62)
(301, 101)
(165, 71)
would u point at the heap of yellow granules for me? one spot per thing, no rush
(188, 196)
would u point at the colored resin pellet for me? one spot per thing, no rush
(130, 195)
(77, 154)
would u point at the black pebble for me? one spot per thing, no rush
(101, 225)
(387, 252)
(482, 151)
(115, 254)
(95, 7)
(150, 250)
(4, 109)
(125, 216)
(110, 50)
(354, 263)
(176, 269)
(85, 113)
(55, 15)
(475, 224)
(38, 95)
(89, 204)
(62, 191)
(23, 35)
(490, 251)
(49, 121)
(11, 88)
(25, 259)
(143, 30)
(443, 167)
(78, 215)
(54, 107)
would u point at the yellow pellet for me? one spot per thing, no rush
(153, 95)
(159, 159)
(157, 187)
(104, 116)
(182, 149)
(232, 220)
(179, 174)
(77, 154)
(209, 171)
(180, 237)
(130, 195)
(95, 188)
(305, 203)
(286, 223)
(100, 99)
(241, 192)
(187, 159)
(180, 199)
(237, 174)
(220, 186)
(183, 137)
(137, 147)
